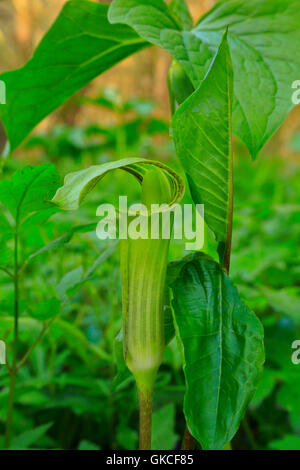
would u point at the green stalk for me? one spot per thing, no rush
(188, 441)
(145, 402)
(13, 371)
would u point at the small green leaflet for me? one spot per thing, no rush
(202, 136)
(87, 445)
(28, 438)
(25, 199)
(263, 38)
(45, 310)
(74, 279)
(61, 241)
(80, 45)
(29, 190)
(222, 342)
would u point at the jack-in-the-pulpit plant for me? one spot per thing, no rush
(231, 73)
(143, 270)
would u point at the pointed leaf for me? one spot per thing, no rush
(202, 137)
(79, 46)
(29, 190)
(222, 341)
(61, 241)
(263, 39)
(28, 438)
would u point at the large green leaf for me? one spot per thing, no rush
(202, 136)
(80, 45)
(181, 12)
(153, 21)
(263, 38)
(223, 349)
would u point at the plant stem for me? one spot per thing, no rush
(6, 271)
(13, 372)
(188, 442)
(145, 401)
(226, 260)
(10, 410)
(249, 433)
(37, 339)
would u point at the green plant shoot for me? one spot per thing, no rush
(143, 272)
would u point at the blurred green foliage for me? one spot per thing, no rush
(69, 393)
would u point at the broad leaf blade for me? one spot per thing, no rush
(223, 350)
(202, 137)
(80, 45)
(154, 22)
(263, 38)
(181, 12)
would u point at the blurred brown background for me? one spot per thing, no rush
(24, 22)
